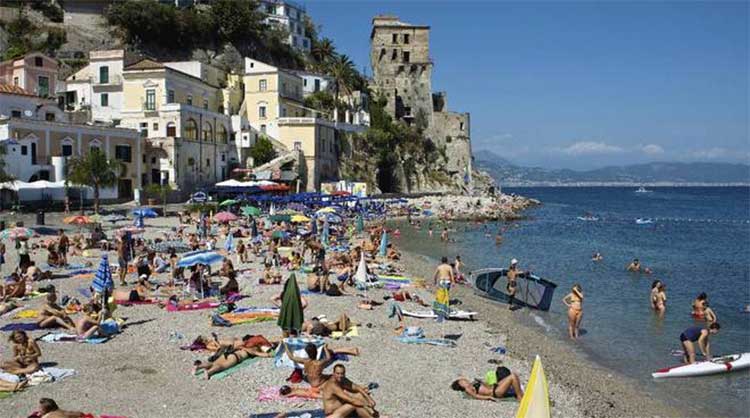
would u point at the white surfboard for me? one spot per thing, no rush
(724, 364)
(432, 315)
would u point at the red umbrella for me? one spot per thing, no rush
(225, 217)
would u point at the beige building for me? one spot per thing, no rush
(34, 72)
(318, 141)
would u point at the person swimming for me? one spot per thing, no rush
(634, 266)
(699, 306)
(597, 256)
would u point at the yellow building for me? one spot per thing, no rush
(317, 139)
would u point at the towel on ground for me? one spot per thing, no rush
(20, 326)
(137, 302)
(271, 393)
(85, 292)
(61, 337)
(430, 341)
(50, 374)
(26, 314)
(222, 374)
(246, 315)
(12, 312)
(308, 413)
(351, 332)
(9, 377)
(171, 307)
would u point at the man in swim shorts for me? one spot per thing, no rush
(342, 398)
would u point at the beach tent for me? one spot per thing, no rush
(291, 315)
(383, 243)
(535, 402)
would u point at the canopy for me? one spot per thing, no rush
(291, 315)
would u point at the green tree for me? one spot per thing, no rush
(94, 170)
(323, 51)
(237, 21)
(161, 190)
(262, 151)
(343, 72)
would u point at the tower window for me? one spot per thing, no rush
(395, 38)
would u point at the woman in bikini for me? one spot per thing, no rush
(140, 292)
(229, 358)
(660, 299)
(654, 291)
(574, 302)
(699, 306)
(53, 315)
(26, 354)
(479, 390)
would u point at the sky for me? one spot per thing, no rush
(579, 84)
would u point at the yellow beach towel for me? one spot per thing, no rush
(352, 332)
(28, 313)
(535, 402)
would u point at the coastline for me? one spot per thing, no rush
(591, 389)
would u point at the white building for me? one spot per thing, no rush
(313, 83)
(97, 88)
(290, 16)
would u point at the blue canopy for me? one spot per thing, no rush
(145, 213)
(103, 277)
(199, 257)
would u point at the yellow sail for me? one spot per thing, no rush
(535, 402)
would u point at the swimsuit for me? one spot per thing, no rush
(691, 334)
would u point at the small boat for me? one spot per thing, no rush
(588, 218)
(643, 190)
(644, 221)
(724, 364)
(532, 291)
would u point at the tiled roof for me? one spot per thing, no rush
(11, 89)
(145, 64)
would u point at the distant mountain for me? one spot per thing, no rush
(508, 174)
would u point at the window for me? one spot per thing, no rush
(24, 150)
(103, 74)
(191, 130)
(461, 126)
(208, 133)
(208, 162)
(170, 96)
(283, 88)
(297, 145)
(271, 9)
(406, 38)
(171, 129)
(283, 112)
(150, 99)
(15, 113)
(317, 84)
(407, 111)
(104, 99)
(155, 126)
(395, 38)
(304, 43)
(304, 82)
(262, 85)
(205, 104)
(223, 157)
(67, 150)
(190, 100)
(221, 134)
(122, 153)
(153, 160)
(15, 81)
(43, 86)
(263, 128)
(406, 56)
(38, 62)
(49, 116)
(143, 158)
(394, 54)
(262, 112)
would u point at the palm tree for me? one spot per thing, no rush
(323, 51)
(343, 72)
(95, 170)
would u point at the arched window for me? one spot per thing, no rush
(171, 129)
(208, 133)
(221, 134)
(191, 130)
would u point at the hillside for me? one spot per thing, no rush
(507, 173)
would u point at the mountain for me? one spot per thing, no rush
(509, 174)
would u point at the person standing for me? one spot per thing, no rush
(24, 260)
(444, 272)
(574, 302)
(512, 286)
(697, 335)
(62, 247)
(122, 261)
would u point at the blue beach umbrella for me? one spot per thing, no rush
(199, 257)
(326, 233)
(360, 223)
(229, 243)
(145, 213)
(138, 223)
(103, 277)
(383, 244)
(314, 227)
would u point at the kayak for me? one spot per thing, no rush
(722, 364)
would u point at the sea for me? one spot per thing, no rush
(698, 240)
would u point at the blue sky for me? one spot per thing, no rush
(579, 84)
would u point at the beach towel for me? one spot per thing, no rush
(308, 413)
(12, 312)
(27, 314)
(249, 317)
(8, 377)
(20, 326)
(430, 341)
(454, 314)
(171, 307)
(271, 394)
(441, 305)
(50, 375)
(137, 302)
(296, 346)
(80, 272)
(4, 395)
(221, 375)
(61, 337)
(351, 332)
(85, 292)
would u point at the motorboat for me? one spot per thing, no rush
(588, 218)
(643, 190)
(644, 221)
(531, 291)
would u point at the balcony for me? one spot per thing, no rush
(112, 81)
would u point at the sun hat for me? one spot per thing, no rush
(513, 261)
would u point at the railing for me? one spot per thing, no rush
(113, 80)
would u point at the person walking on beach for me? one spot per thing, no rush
(122, 261)
(444, 272)
(512, 276)
(574, 302)
(62, 247)
(701, 336)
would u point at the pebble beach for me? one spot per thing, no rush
(142, 372)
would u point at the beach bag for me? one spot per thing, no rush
(493, 377)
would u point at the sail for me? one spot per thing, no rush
(535, 402)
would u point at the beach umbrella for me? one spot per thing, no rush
(325, 235)
(77, 220)
(360, 223)
(138, 223)
(250, 211)
(254, 228)
(16, 233)
(225, 217)
(199, 257)
(383, 244)
(144, 213)
(103, 277)
(326, 210)
(314, 227)
(300, 218)
(361, 275)
(535, 401)
(229, 243)
(330, 217)
(228, 202)
(291, 315)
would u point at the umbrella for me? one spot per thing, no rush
(103, 277)
(228, 202)
(361, 275)
(360, 223)
(291, 315)
(326, 210)
(383, 243)
(535, 401)
(138, 223)
(165, 246)
(199, 257)
(229, 243)
(250, 211)
(16, 233)
(330, 217)
(225, 217)
(145, 213)
(77, 220)
(300, 218)
(254, 228)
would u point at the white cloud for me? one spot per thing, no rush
(652, 149)
(590, 148)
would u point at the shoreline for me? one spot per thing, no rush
(580, 376)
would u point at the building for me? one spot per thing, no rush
(317, 139)
(34, 72)
(37, 147)
(291, 17)
(97, 88)
(179, 108)
(19, 103)
(313, 83)
(402, 72)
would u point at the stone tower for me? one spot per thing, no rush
(402, 72)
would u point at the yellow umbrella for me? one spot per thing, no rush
(326, 210)
(300, 218)
(535, 402)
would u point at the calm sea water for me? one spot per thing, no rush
(699, 242)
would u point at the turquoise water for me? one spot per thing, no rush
(699, 242)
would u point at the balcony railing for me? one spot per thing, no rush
(113, 80)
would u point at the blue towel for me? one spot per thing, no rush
(430, 341)
(313, 413)
(20, 326)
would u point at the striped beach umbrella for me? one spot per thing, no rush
(383, 243)
(16, 233)
(199, 257)
(103, 277)
(225, 217)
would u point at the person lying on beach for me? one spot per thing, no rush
(477, 389)
(49, 409)
(7, 307)
(229, 358)
(324, 329)
(53, 315)
(140, 292)
(342, 398)
(701, 336)
(88, 324)
(392, 254)
(403, 296)
(26, 354)
(247, 341)
(313, 367)
(634, 266)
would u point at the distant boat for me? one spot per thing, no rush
(644, 221)
(532, 291)
(588, 218)
(643, 190)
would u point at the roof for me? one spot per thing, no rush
(145, 64)
(11, 89)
